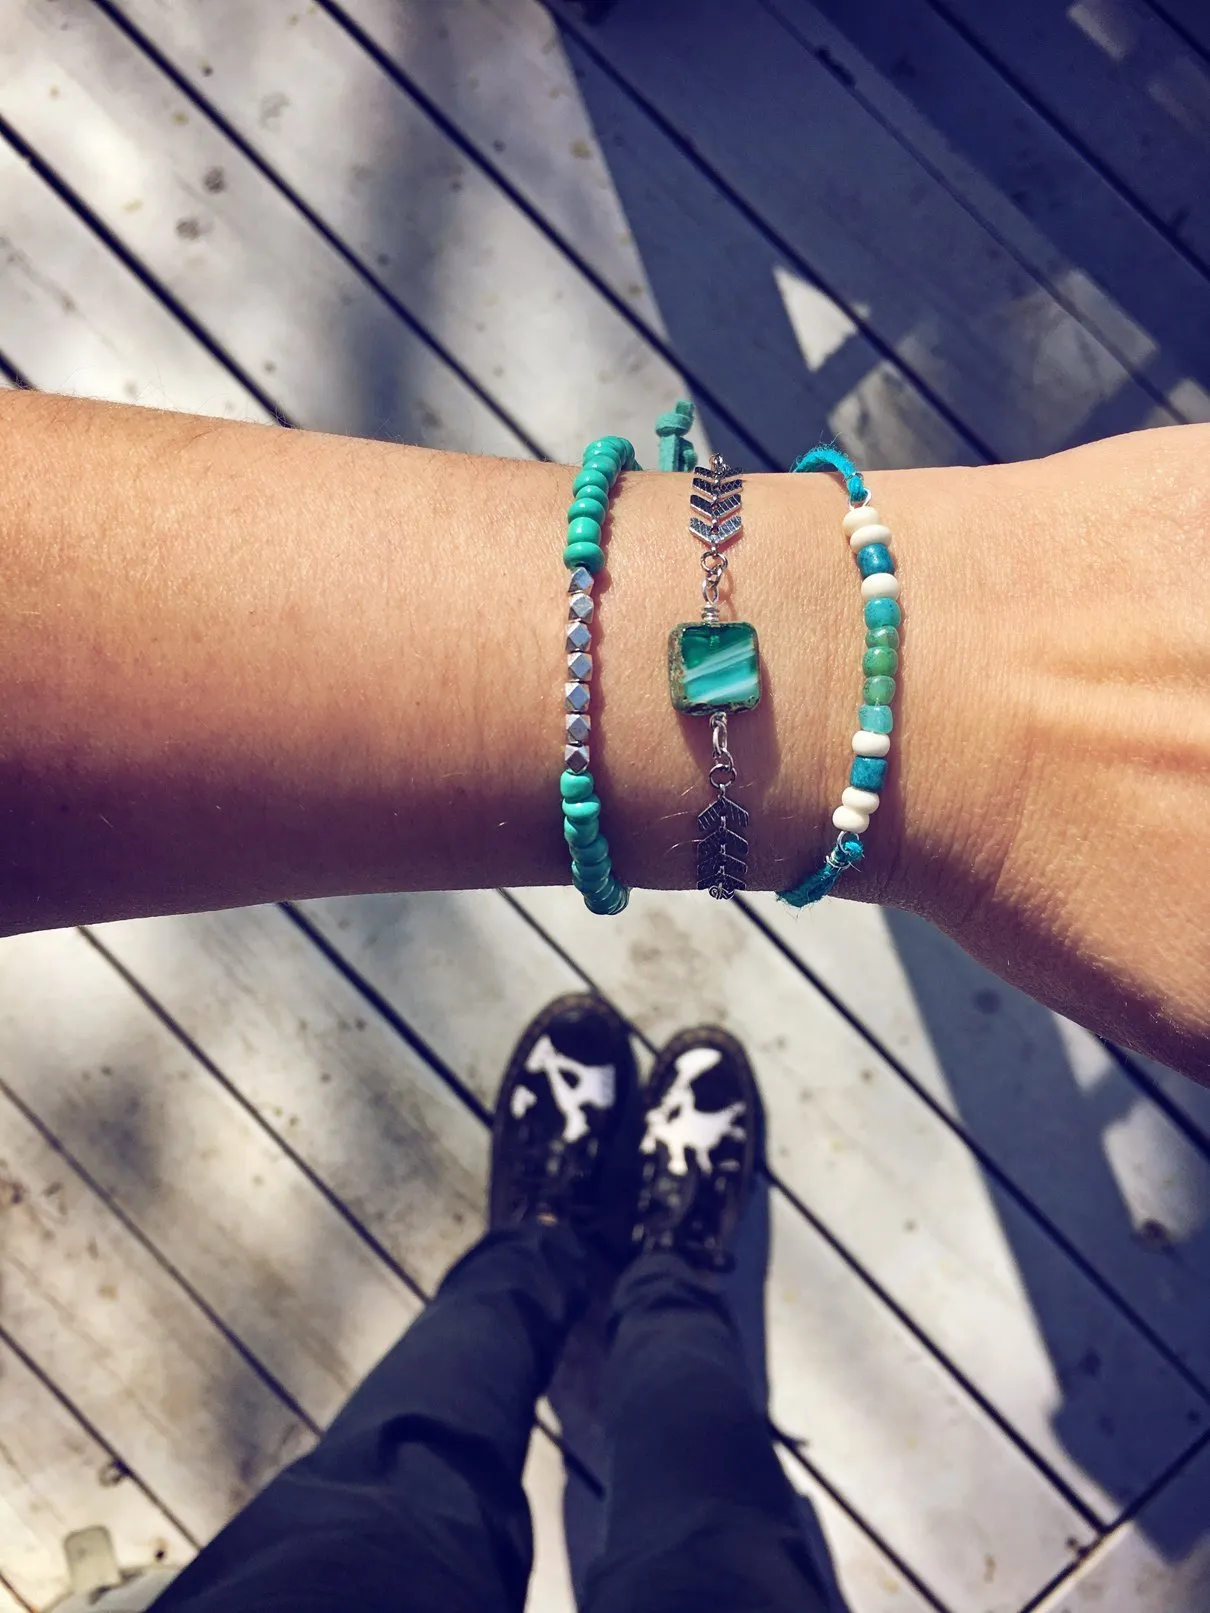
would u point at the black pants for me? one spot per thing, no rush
(412, 1502)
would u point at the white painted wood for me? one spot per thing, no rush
(1041, 1096)
(54, 1479)
(199, 1177)
(1022, 373)
(421, 952)
(116, 1334)
(239, 991)
(280, 300)
(1122, 82)
(467, 262)
(1157, 1563)
(674, 248)
(10, 1604)
(74, 319)
(1050, 208)
(1192, 1099)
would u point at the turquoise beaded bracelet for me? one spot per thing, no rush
(591, 869)
(869, 540)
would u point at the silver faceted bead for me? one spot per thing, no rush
(578, 726)
(575, 758)
(579, 608)
(579, 666)
(579, 637)
(576, 697)
(580, 581)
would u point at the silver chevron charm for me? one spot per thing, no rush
(716, 504)
(722, 851)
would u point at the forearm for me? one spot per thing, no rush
(243, 664)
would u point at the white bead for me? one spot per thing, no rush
(882, 585)
(867, 744)
(867, 515)
(860, 800)
(847, 818)
(869, 534)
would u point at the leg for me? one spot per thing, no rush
(412, 1499)
(701, 1515)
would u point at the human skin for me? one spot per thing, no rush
(242, 664)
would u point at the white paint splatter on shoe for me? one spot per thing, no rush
(681, 1127)
(575, 1087)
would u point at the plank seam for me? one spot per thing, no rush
(317, 223)
(116, 1210)
(1127, 1517)
(7, 1584)
(796, 1455)
(137, 267)
(989, 1165)
(94, 1433)
(18, 377)
(1178, 28)
(1078, 145)
(1190, 1129)
(870, 107)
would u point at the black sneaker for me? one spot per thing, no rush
(565, 1096)
(699, 1149)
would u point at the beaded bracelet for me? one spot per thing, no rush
(869, 540)
(591, 868)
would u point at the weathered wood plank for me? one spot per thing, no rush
(225, 986)
(1157, 1563)
(961, 314)
(420, 952)
(1124, 84)
(1192, 1100)
(280, 300)
(1049, 207)
(469, 264)
(56, 1478)
(115, 1332)
(74, 319)
(1040, 1096)
(623, 196)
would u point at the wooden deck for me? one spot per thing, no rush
(238, 1150)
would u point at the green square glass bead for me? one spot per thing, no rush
(714, 667)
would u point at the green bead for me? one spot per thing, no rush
(584, 529)
(594, 878)
(880, 661)
(875, 719)
(587, 810)
(590, 478)
(593, 854)
(610, 901)
(575, 786)
(883, 638)
(589, 555)
(882, 613)
(619, 447)
(590, 502)
(878, 691)
(580, 834)
(607, 464)
(714, 667)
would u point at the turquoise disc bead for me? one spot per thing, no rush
(875, 557)
(575, 786)
(878, 691)
(880, 662)
(876, 719)
(611, 900)
(589, 555)
(584, 529)
(882, 638)
(868, 773)
(590, 502)
(590, 478)
(882, 613)
(619, 447)
(587, 810)
(594, 853)
(580, 834)
(593, 878)
(608, 464)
